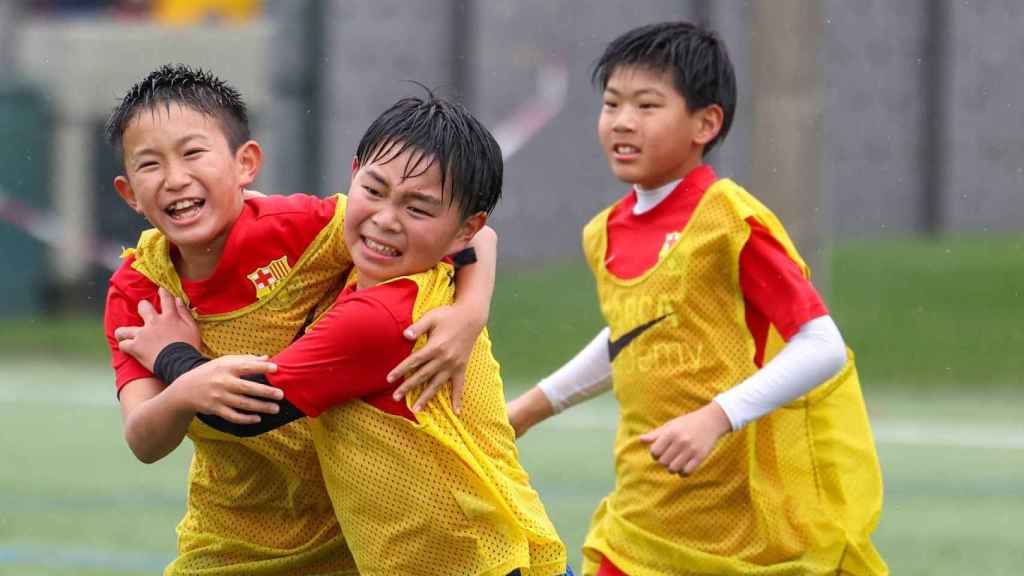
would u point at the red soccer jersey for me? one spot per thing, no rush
(349, 353)
(268, 229)
(774, 288)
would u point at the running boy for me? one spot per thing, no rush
(415, 493)
(743, 444)
(254, 272)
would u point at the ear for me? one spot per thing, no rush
(125, 191)
(469, 228)
(709, 123)
(249, 158)
(355, 165)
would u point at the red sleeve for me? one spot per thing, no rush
(349, 353)
(773, 284)
(127, 289)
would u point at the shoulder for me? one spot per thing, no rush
(130, 282)
(392, 301)
(301, 208)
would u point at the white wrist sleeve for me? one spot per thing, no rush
(588, 374)
(812, 356)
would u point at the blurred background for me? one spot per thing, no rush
(889, 138)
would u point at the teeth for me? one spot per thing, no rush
(626, 149)
(182, 204)
(381, 248)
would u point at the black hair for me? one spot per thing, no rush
(189, 87)
(697, 59)
(443, 132)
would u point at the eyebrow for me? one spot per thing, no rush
(378, 177)
(433, 200)
(180, 141)
(640, 92)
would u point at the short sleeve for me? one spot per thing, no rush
(347, 355)
(774, 284)
(122, 310)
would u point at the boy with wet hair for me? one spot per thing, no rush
(254, 272)
(743, 443)
(415, 492)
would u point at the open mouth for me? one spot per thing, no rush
(184, 209)
(381, 248)
(625, 151)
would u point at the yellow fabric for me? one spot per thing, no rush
(797, 492)
(258, 506)
(444, 494)
(197, 11)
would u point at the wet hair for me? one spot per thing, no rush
(439, 131)
(190, 87)
(696, 58)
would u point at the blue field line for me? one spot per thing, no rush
(60, 556)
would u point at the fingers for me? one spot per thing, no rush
(146, 311)
(423, 326)
(166, 301)
(430, 391)
(405, 366)
(183, 312)
(248, 365)
(458, 384)
(236, 417)
(247, 404)
(257, 390)
(422, 374)
(126, 333)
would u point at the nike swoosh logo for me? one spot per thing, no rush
(616, 346)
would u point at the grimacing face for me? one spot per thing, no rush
(396, 227)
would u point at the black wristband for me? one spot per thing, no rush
(176, 359)
(464, 257)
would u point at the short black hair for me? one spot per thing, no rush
(443, 132)
(697, 59)
(190, 87)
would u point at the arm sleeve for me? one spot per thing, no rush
(178, 358)
(812, 356)
(588, 374)
(347, 355)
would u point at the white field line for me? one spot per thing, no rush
(601, 417)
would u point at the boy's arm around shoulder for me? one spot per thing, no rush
(453, 329)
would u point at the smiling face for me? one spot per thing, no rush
(397, 226)
(181, 174)
(647, 132)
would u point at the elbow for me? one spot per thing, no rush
(145, 452)
(834, 356)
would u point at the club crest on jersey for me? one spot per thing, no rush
(266, 277)
(670, 240)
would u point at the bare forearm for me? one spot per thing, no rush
(154, 423)
(474, 284)
(528, 410)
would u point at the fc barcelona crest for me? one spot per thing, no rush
(266, 277)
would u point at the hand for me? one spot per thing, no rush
(217, 388)
(452, 335)
(173, 323)
(681, 444)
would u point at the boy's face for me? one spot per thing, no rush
(646, 129)
(396, 227)
(181, 175)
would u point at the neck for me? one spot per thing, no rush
(198, 263)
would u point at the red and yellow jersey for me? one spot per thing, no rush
(436, 493)
(255, 505)
(797, 492)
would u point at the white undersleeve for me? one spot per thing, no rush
(588, 374)
(812, 356)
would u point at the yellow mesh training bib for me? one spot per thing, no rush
(444, 494)
(258, 506)
(797, 492)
